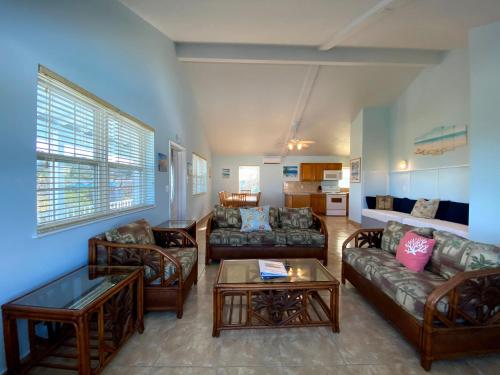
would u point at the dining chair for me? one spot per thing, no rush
(245, 191)
(239, 199)
(222, 198)
(257, 203)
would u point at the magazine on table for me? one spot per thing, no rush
(270, 269)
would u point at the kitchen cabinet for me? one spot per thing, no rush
(297, 200)
(318, 203)
(314, 171)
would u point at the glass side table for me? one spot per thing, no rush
(77, 322)
(188, 226)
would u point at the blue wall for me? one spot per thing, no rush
(355, 189)
(108, 50)
(484, 44)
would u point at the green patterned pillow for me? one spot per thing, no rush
(425, 208)
(296, 218)
(274, 219)
(453, 254)
(394, 232)
(139, 232)
(227, 217)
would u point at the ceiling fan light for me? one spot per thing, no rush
(299, 146)
(290, 146)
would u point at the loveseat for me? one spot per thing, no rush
(451, 216)
(296, 233)
(169, 257)
(450, 309)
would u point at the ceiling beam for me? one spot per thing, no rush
(370, 16)
(299, 55)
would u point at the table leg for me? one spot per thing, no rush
(140, 303)
(11, 342)
(334, 308)
(217, 313)
(82, 342)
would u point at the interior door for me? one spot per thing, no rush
(177, 186)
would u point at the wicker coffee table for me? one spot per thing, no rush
(242, 299)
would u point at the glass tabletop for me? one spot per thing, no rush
(77, 289)
(176, 224)
(246, 271)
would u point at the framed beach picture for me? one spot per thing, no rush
(291, 172)
(162, 162)
(355, 170)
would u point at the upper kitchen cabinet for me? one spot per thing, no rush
(314, 171)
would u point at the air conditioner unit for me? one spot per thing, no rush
(272, 159)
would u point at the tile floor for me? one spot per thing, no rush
(367, 344)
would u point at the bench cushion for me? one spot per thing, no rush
(453, 254)
(384, 215)
(458, 229)
(228, 237)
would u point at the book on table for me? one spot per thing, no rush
(270, 269)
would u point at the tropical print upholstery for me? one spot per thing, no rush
(296, 218)
(408, 289)
(277, 237)
(227, 217)
(274, 218)
(138, 232)
(228, 237)
(454, 254)
(255, 219)
(425, 208)
(187, 256)
(304, 237)
(394, 232)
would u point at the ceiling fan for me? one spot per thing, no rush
(298, 144)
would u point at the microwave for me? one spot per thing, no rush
(332, 175)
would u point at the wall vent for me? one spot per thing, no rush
(272, 160)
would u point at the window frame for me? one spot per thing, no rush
(196, 176)
(239, 180)
(99, 146)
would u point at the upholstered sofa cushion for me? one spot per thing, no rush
(296, 218)
(274, 217)
(138, 232)
(394, 231)
(276, 237)
(187, 256)
(306, 237)
(454, 254)
(228, 237)
(227, 217)
(407, 288)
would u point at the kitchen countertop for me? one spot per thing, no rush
(301, 193)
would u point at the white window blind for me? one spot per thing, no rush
(92, 160)
(199, 175)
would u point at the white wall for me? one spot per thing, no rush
(271, 181)
(485, 133)
(440, 95)
(355, 189)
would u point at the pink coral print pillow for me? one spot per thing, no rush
(414, 251)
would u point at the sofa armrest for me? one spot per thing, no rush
(365, 238)
(473, 298)
(144, 255)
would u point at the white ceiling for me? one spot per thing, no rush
(248, 108)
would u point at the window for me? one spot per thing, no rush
(93, 161)
(199, 175)
(345, 182)
(249, 177)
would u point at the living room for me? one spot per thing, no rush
(403, 94)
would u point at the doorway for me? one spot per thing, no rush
(178, 183)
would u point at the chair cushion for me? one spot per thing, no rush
(304, 237)
(425, 208)
(296, 218)
(229, 237)
(187, 256)
(407, 288)
(255, 219)
(139, 232)
(275, 237)
(227, 217)
(394, 232)
(454, 254)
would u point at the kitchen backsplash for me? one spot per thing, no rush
(301, 186)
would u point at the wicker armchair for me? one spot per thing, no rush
(169, 257)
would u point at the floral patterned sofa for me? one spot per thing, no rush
(169, 257)
(450, 309)
(296, 233)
